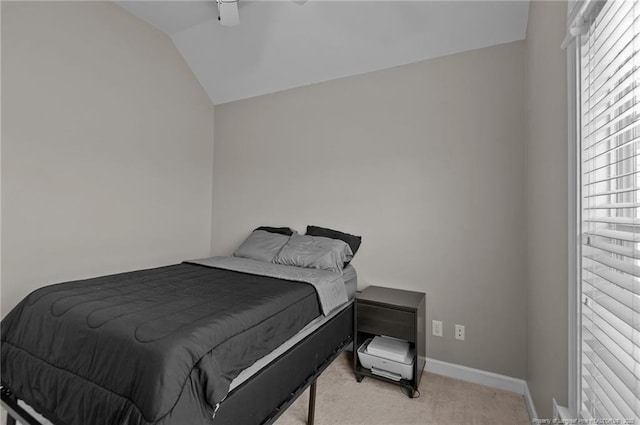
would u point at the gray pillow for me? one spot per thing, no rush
(314, 252)
(261, 245)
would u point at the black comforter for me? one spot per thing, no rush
(157, 346)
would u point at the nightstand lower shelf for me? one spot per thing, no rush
(362, 372)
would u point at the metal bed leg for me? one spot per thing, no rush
(6, 394)
(15, 412)
(312, 403)
(10, 419)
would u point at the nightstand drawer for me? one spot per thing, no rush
(386, 321)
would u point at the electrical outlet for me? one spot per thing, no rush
(460, 332)
(436, 327)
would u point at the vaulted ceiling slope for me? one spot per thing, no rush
(284, 44)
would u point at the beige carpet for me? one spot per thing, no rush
(342, 400)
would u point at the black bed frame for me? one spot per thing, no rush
(266, 395)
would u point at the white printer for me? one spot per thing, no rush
(389, 357)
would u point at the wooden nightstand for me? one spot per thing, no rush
(396, 313)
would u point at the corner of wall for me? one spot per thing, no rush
(546, 205)
(213, 172)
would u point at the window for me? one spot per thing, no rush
(608, 212)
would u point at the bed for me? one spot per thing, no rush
(225, 340)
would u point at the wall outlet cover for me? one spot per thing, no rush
(459, 332)
(436, 327)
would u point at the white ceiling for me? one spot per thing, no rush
(283, 44)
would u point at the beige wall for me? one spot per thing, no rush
(425, 161)
(107, 146)
(547, 205)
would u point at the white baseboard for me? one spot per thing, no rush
(561, 413)
(529, 402)
(477, 376)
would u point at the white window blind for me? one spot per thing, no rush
(610, 213)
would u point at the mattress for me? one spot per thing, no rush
(350, 282)
(157, 346)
